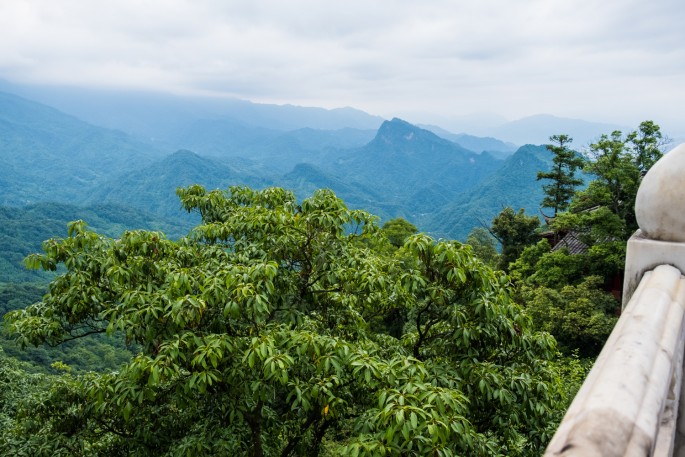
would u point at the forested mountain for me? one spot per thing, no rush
(47, 155)
(22, 230)
(406, 163)
(514, 184)
(153, 188)
(305, 178)
(404, 171)
(400, 170)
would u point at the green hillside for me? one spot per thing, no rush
(48, 155)
(153, 188)
(514, 184)
(304, 179)
(403, 158)
(24, 229)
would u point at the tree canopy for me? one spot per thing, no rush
(398, 230)
(618, 163)
(263, 333)
(570, 294)
(566, 163)
(484, 245)
(514, 231)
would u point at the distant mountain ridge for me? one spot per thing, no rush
(497, 148)
(538, 128)
(155, 116)
(272, 148)
(403, 158)
(46, 153)
(398, 170)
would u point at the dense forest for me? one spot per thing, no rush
(286, 326)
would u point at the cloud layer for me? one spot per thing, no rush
(429, 61)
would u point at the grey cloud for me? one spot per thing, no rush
(385, 56)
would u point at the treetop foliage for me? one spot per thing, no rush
(398, 230)
(618, 163)
(514, 230)
(568, 294)
(266, 331)
(563, 178)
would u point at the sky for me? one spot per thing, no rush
(430, 61)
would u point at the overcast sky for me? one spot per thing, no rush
(618, 61)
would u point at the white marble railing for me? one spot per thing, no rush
(626, 405)
(629, 404)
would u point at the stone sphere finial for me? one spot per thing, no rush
(660, 201)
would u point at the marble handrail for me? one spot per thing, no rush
(628, 404)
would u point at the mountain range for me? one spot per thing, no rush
(444, 183)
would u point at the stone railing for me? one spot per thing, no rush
(629, 403)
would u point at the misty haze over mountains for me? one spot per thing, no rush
(154, 115)
(111, 152)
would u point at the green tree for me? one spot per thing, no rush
(562, 175)
(398, 230)
(98, 353)
(484, 245)
(258, 337)
(565, 292)
(580, 317)
(17, 385)
(618, 164)
(617, 178)
(646, 144)
(514, 231)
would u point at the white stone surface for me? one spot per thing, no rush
(670, 435)
(644, 254)
(619, 410)
(660, 201)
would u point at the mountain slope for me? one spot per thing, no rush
(497, 148)
(514, 184)
(24, 229)
(153, 188)
(405, 163)
(304, 179)
(48, 155)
